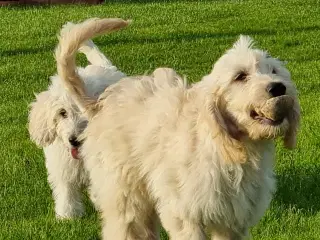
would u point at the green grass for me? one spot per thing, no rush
(188, 36)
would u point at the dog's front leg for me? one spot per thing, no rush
(67, 199)
(63, 177)
(181, 229)
(225, 234)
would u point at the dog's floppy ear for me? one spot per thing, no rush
(290, 138)
(41, 120)
(230, 146)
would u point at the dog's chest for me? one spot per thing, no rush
(236, 195)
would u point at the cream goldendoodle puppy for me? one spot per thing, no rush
(194, 157)
(55, 121)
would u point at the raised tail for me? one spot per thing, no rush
(70, 40)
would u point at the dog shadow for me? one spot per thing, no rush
(144, 1)
(299, 188)
(182, 36)
(36, 4)
(25, 51)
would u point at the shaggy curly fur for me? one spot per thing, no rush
(55, 121)
(193, 157)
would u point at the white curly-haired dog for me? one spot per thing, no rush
(55, 120)
(196, 157)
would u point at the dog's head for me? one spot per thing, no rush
(253, 95)
(54, 116)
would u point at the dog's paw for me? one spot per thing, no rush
(69, 216)
(64, 217)
(70, 212)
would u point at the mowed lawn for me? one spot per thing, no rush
(187, 36)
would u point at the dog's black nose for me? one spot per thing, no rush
(73, 141)
(276, 89)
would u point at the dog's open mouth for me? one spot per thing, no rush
(264, 120)
(75, 152)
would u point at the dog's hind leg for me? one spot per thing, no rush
(94, 55)
(180, 229)
(126, 213)
(100, 65)
(225, 234)
(129, 225)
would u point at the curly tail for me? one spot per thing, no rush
(70, 40)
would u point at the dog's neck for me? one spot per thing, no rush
(224, 130)
(232, 128)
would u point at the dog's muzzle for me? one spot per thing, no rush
(74, 147)
(274, 111)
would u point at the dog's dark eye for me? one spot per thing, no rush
(241, 76)
(63, 113)
(274, 71)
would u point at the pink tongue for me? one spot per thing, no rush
(74, 153)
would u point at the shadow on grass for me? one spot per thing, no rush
(155, 1)
(106, 2)
(15, 7)
(180, 36)
(171, 37)
(191, 36)
(26, 51)
(299, 188)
